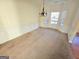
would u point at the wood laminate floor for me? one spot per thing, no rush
(42, 43)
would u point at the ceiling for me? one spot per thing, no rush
(52, 1)
(55, 1)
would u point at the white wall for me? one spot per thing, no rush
(71, 7)
(50, 8)
(17, 17)
(75, 26)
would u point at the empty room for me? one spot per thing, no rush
(39, 29)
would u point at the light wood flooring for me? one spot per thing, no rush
(43, 43)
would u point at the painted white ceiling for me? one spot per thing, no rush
(52, 1)
(56, 1)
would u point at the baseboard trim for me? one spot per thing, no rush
(27, 30)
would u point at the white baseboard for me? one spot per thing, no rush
(30, 28)
(71, 38)
(26, 29)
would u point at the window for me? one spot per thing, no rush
(54, 17)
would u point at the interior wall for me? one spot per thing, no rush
(3, 33)
(71, 7)
(46, 21)
(75, 26)
(17, 17)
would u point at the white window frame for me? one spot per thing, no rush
(55, 17)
